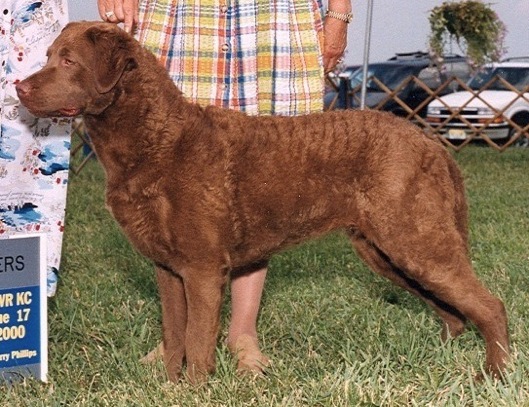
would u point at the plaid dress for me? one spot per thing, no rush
(257, 56)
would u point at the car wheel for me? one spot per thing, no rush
(521, 142)
(521, 119)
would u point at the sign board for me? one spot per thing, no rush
(23, 308)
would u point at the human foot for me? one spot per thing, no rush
(249, 357)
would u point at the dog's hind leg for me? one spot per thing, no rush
(455, 283)
(204, 292)
(417, 220)
(453, 320)
(174, 321)
(447, 275)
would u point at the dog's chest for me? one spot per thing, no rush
(143, 214)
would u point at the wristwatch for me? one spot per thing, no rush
(346, 17)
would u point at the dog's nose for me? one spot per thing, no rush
(23, 88)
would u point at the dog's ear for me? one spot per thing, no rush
(113, 55)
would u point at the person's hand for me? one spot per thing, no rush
(334, 42)
(119, 11)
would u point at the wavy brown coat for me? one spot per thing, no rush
(205, 192)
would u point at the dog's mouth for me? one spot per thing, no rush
(70, 112)
(65, 112)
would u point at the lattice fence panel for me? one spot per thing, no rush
(519, 129)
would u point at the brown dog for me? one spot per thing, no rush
(202, 192)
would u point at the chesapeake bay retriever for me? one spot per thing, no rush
(205, 191)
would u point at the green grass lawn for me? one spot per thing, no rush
(337, 334)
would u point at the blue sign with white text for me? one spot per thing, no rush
(19, 327)
(23, 318)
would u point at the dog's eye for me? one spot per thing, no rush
(67, 62)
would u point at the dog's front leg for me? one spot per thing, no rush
(174, 321)
(203, 289)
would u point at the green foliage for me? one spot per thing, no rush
(474, 26)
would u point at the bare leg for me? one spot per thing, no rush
(246, 292)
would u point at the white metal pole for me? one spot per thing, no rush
(367, 44)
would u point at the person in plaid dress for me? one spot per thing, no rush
(34, 153)
(259, 57)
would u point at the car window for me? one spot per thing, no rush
(431, 77)
(460, 69)
(517, 77)
(390, 75)
(523, 80)
(481, 78)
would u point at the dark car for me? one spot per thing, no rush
(393, 80)
(332, 84)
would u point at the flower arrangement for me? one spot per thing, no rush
(473, 25)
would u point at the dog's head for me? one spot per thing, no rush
(84, 67)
